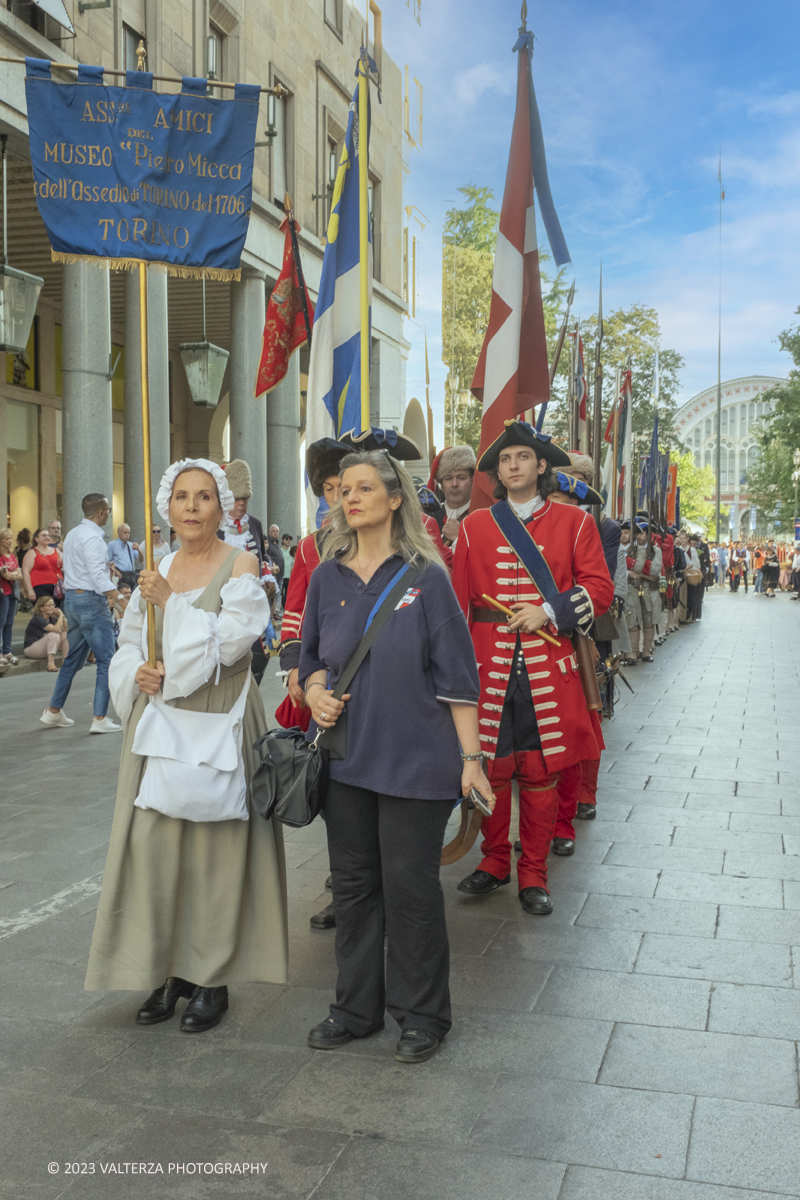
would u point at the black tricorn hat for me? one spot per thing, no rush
(520, 433)
(322, 461)
(576, 487)
(398, 445)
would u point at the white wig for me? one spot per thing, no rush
(164, 496)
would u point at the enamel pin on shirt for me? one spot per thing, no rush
(408, 598)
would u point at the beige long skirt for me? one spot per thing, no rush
(205, 901)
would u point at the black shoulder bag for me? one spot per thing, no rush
(291, 780)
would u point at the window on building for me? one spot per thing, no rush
(742, 420)
(280, 150)
(697, 460)
(22, 439)
(131, 40)
(708, 459)
(724, 426)
(751, 414)
(374, 196)
(752, 458)
(215, 57)
(333, 15)
(697, 436)
(374, 34)
(708, 427)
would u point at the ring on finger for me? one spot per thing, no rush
(324, 716)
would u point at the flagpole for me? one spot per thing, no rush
(598, 399)
(572, 424)
(363, 227)
(614, 503)
(719, 353)
(148, 487)
(562, 333)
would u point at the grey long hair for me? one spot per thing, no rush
(409, 537)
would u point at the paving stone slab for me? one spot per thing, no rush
(720, 889)
(216, 1077)
(551, 1046)
(42, 992)
(728, 839)
(496, 983)
(746, 1145)
(40, 1056)
(676, 858)
(791, 894)
(762, 866)
(649, 915)
(656, 832)
(637, 999)
(729, 1066)
(781, 926)
(763, 823)
(587, 1183)
(613, 950)
(352, 1094)
(706, 800)
(719, 959)
(386, 1170)
(679, 816)
(587, 1124)
(765, 1012)
(611, 881)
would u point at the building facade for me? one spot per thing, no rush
(742, 409)
(70, 408)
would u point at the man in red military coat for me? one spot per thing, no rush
(532, 713)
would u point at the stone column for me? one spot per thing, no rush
(87, 449)
(283, 452)
(158, 377)
(248, 416)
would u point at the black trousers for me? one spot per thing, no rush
(384, 857)
(694, 600)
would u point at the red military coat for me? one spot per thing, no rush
(305, 560)
(485, 563)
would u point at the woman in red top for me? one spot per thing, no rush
(41, 567)
(10, 574)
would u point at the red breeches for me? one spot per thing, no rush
(577, 785)
(538, 808)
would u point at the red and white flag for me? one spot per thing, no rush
(512, 373)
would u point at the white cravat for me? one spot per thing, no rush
(529, 507)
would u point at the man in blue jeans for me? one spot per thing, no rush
(89, 590)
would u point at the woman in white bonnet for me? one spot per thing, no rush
(191, 902)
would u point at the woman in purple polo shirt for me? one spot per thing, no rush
(412, 748)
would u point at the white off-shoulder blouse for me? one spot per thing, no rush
(195, 643)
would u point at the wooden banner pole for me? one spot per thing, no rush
(148, 486)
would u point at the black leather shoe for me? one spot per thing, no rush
(647, 658)
(160, 1004)
(416, 1045)
(329, 1035)
(563, 846)
(586, 812)
(325, 919)
(329, 882)
(518, 847)
(480, 883)
(536, 901)
(205, 1009)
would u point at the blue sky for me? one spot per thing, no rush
(636, 100)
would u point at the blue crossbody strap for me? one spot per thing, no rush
(392, 583)
(525, 548)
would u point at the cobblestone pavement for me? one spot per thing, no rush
(639, 1044)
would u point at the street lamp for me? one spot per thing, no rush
(19, 292)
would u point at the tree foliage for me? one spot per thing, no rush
(769, 481)
(697, 484)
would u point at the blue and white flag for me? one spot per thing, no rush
(334, 376)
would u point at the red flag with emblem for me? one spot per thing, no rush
(513, 374)
(285, 327)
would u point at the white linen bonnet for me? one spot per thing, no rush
(164, 496)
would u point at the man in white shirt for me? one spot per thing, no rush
(90, 592)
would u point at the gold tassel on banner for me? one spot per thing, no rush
(132, 264)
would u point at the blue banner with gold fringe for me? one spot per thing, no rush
(127, 174)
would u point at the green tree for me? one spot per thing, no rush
(469, 240)
(769, 481)
(698, 485)
(634, 334)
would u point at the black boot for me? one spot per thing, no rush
(325, 919)
(205, 1009)
(480, 883)
(160, 1004)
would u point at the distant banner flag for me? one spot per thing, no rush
(580, 397)
(672, 490)
(290, 315)
(512, 374)
(127, 174)
(334, 376)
